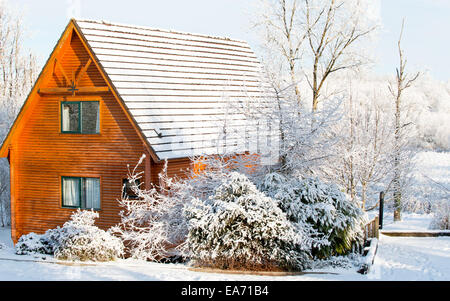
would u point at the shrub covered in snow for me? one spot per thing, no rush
(330, 222)
(34, 243)
(77, 239)
(241, 228)
(441, 216)
(80, 239)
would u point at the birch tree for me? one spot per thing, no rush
(333, 30)
(403, 81)
(316, 39)
(284, 33)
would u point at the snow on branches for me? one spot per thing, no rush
(241, 228)
(331, 223)
(152, 223)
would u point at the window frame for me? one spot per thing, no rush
(80, 116)
(80, 192)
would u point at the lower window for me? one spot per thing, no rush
(81, 193)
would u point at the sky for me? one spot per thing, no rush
(426, 42)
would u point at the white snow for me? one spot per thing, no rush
(409, 222)
(398, 258)
(412, 258)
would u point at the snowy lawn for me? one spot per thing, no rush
(398, 258)
(26, 267)
(409, 222)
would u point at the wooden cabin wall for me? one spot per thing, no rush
(40, 154)
(175, 167)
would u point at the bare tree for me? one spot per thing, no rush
(284, 34)
(403, 82)
(364, 142)
(316, 38)
(333, 27)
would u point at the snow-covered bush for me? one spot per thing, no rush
(77, 239)
(241, 228)
(33, 243)
(441, 216)
(331, 223)
(80, 239)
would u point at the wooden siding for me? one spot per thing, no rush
(40, 154)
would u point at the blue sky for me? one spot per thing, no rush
(426, 40)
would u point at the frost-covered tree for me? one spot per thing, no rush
(18, 69)
(305, 138)
(307, 43)
(317, 39)
(241, 228)
(362, 152)
(401, 156)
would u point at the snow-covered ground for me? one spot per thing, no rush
(409, 222)
(25, 267)
(398, 258)
(412, 258)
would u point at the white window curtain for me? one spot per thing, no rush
(71, 191)
(92, 193)
(97, 127)
(66, 118)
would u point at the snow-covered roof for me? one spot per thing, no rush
(185, 91)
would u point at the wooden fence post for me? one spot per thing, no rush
(380, 214)
(377, 228)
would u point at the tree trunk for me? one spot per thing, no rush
(397, 157)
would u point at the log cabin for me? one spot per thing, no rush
(109, 93)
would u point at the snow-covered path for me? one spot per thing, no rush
(412, 258)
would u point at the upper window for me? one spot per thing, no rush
(81, 193)
(81, 117)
